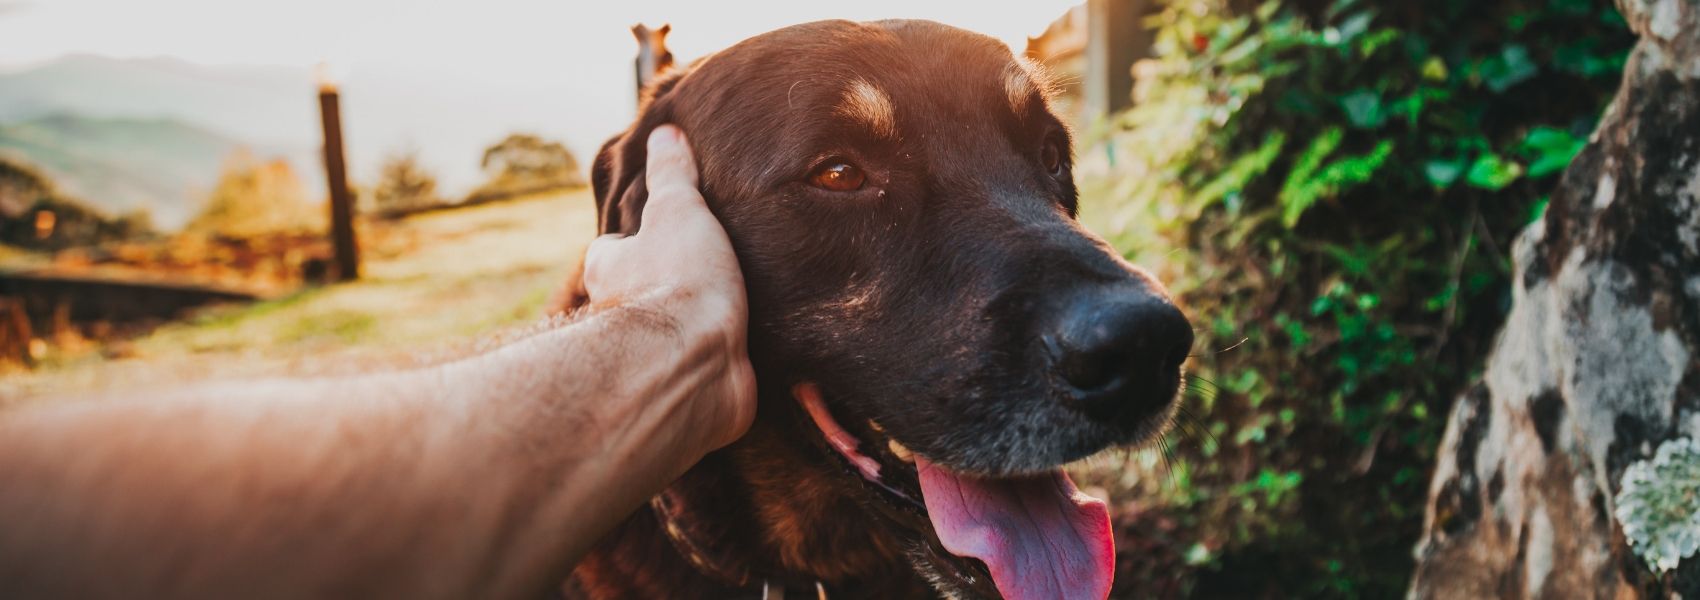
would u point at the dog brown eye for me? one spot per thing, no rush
(1051, 157)
(838, 177)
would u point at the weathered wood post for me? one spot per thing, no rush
(345, 245)
(1116, 38)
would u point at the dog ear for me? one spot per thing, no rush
(617, 181)
(617, 174)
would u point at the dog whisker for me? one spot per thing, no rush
(1168, 449)
(1195, 381)
(1191, 423)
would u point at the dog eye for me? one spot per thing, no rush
(1051, 156)
(838, 177)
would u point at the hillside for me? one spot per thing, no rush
(123, 164)
(385, 110)
(259, 105)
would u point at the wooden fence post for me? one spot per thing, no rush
(347, 249)
(1117, 37)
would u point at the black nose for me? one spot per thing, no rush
(1120, 355)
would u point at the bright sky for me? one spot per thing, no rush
(492, 37)
(558, 67)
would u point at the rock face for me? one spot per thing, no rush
(1599, 361)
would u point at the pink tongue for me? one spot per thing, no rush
(1040, 536)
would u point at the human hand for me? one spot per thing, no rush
(680, 264)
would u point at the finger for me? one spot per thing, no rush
(670, 161)
(602, 254)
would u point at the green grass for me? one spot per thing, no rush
(434, 281)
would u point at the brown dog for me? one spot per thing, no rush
(933, 332)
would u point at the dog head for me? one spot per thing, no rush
(922, 298)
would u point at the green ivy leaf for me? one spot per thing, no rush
(1580, 57)
(1550, 149)
(1538, 210)
(1510, 67)
(1376, 40)
(1434, 69)
(1353, 27)
(1364, 109)
(1299, 192)
(1490, 172)
(1242, 171)
(1309, 182)
(1442, 173)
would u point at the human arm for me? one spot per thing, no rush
(483, 477)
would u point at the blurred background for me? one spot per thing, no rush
(1331, 187)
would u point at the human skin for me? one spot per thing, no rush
(484, 477)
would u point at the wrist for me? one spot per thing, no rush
(665, 372)
(708, 359)
(699, 313)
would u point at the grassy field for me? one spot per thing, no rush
(432, 283)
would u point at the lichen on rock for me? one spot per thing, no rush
(1598, 364)
(1658, 505)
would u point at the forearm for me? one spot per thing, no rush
(449, 481)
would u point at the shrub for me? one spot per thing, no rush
(27, 194)
(524, 163)
(403, 186)
(1332, 191)
(253, 198)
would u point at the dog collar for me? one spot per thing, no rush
(714, 559)
(705, 552)
(773, 590)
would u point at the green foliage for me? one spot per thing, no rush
(1659, 504)
(1332, 189)
(1493, 173)
(1549, 150)
(1310, 180)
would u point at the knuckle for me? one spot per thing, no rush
(600, 248)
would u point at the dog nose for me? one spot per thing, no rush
(1121, 358)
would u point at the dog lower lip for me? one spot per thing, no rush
(896, 492)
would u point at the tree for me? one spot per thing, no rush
(253, 197)
(1547, 483)
(21, 187)
(525, 163)
(404, 185)
(34, 213)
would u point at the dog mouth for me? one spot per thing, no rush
(1021, 537)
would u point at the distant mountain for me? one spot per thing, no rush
(260, 105)
(119, 165)
(275, 111)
